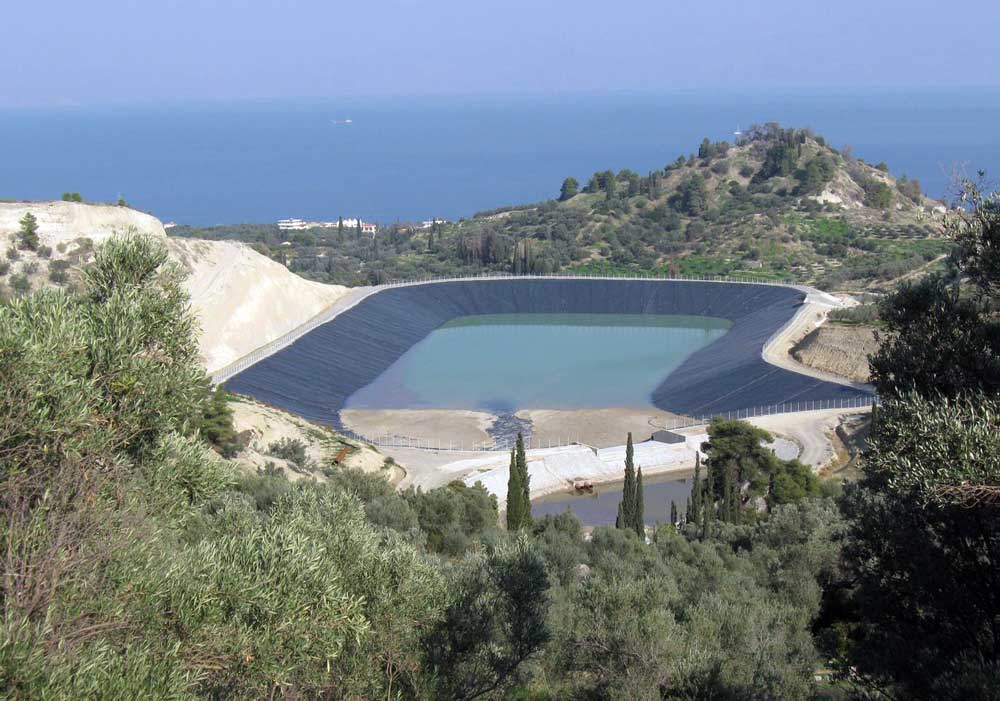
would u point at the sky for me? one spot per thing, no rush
(62, 52)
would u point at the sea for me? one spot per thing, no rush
(417, 158)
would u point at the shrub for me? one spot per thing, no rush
(216, 424)
(878, 195)
(58, 271)
(291, 449)
(20, 284)
(861, 314)
(720, 167)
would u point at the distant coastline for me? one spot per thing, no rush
(415, 159)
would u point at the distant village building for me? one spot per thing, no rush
(347, 224)
(429, 223)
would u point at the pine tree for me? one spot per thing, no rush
(29, 232)
(525, 481)
(639, 517)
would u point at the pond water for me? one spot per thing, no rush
(505, 362)
(601, 507)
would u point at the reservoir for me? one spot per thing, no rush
(506, 362)
(601, 507)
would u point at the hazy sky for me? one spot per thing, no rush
(58, 51)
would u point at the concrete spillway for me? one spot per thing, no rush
(314, 376)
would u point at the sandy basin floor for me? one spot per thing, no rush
(599, 428)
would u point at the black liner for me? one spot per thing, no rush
(314, 376)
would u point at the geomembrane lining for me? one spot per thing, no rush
(315, 375)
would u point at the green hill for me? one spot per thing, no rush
(780, 204)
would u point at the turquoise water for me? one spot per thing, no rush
(505, 362)
(414, 158)
(601, 507)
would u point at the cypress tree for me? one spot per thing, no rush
(620, 519)
(704, 524)
(707, 506)
(525, 481)
(694, 507)
(515, 494)
(639, 517)
(673, 512)
(628, 489)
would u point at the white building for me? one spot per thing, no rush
(427, 224)
(349, 224)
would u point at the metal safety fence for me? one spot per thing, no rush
(395, 440)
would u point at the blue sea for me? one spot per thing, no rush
(417, 158)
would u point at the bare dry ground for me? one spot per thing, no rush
(242, 299)
(263, 425)
(840, 350)
(462, 429)
(600, 428)
(456, 428)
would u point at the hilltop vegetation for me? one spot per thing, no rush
(779, 204)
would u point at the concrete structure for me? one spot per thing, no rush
(667, 437)
(557, 469)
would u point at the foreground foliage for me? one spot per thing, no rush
(922, 614)
(136, 563)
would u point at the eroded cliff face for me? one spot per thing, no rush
(241, 298)
(841, 350)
